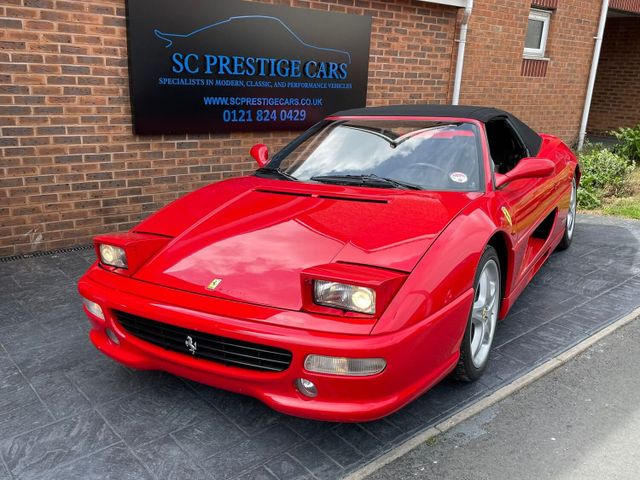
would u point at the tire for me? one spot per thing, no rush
(483, 318)
(570, 225)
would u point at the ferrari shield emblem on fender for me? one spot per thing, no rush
(214, 284)
(507, 216)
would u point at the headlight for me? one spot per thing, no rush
(346, 297)
(114, 256)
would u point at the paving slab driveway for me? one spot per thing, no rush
(580, 422)
(68, 412)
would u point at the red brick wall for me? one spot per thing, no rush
(70, 167)
(493, 68)
(625, 5)
(616, 94)
(544, 3)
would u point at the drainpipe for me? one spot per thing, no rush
(592, 74)
(455, 99)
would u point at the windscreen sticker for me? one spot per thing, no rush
(458, 177)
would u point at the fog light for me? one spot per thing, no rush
(112, 336)
(356, 367)
(93, 308)
(306, 387)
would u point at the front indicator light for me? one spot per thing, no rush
(355, 367)
(93, 308)
(113, 256)
(347, 297)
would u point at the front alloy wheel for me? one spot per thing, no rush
(483, 318)
(571, 217)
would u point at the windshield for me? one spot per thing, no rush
(386, 153)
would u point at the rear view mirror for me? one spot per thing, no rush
(526, 168)
(260, 154)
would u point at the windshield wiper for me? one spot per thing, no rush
(274, 172)
(371, 180)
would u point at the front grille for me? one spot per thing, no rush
(217, 349)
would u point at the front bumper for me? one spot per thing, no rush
(417, 357)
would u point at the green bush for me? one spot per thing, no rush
(603, 173)
(629, 142)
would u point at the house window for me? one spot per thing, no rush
(535, 42)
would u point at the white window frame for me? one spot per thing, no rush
(543, 16)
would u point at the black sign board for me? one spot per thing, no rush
(201, 66)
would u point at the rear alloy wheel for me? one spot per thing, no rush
(478, 336)
(571, 218)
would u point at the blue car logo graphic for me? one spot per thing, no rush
(170, 37)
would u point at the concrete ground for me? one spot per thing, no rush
(581, 422)
(68, 412)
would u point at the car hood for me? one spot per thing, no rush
(254, 236)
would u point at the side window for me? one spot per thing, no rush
(504, 145)
(535, 43)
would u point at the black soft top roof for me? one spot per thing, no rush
(483, 114)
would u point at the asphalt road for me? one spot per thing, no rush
(580, 422)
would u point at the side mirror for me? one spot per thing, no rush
(526, 168)
(260, 154)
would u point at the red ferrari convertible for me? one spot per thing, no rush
(361, 264)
